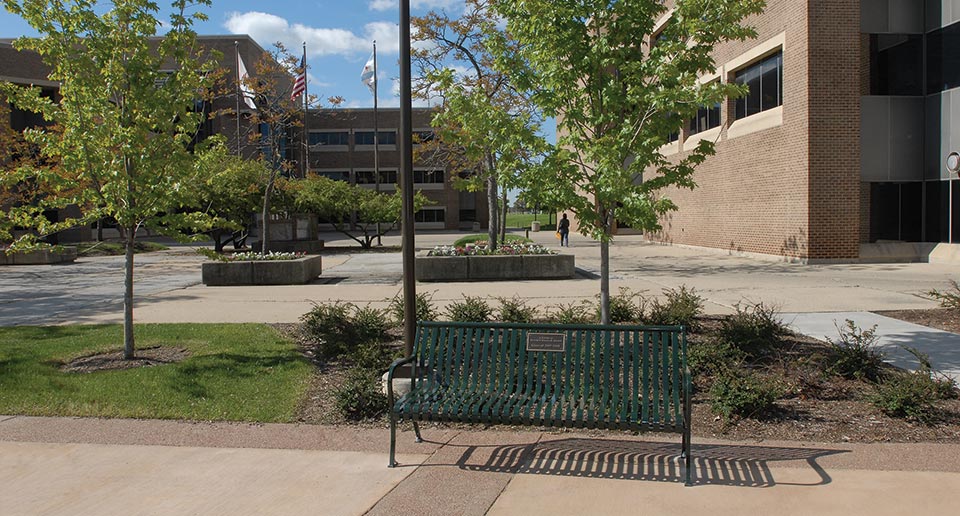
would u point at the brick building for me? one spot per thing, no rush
(341, 147)
(840, 145)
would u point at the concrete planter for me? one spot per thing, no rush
(267, 272)
(40, 257)
(495, 267)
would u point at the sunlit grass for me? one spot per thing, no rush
(234, 372)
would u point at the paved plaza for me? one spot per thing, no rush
(75, 466)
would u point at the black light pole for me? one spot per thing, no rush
(406, 183)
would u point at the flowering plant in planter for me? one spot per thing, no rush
(481, 249)
(248, 256)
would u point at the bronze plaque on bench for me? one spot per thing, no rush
(550, 342)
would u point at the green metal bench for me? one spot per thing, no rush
(613, 377)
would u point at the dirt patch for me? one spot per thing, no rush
(113, 360)
(945, 319)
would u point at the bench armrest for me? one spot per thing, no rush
(393, 367)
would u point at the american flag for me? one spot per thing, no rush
(300, 84)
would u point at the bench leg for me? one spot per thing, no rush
(416, 430)
(688, 462)
(393, 440)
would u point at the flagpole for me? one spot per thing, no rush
(376, 131)
(236, 47)
(306, 106)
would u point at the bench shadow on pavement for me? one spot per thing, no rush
(728, 465)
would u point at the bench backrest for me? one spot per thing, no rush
(621, 375)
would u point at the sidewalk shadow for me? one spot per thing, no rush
(729, 465)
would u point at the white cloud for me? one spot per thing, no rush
(384, 5)
(267, 29)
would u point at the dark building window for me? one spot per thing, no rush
(707, 118)
(428, 176)
(938, 211)
(468, 215)
(366, 138)
(429, 215)
(330, 138)
(367, 177)
(943, 59)
(896, 211)
(337, 175)
(896, 64)
(765, 80)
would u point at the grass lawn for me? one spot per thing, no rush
(234, 372)
(523, 220)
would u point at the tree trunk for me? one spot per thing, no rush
(100, 229)
(128, 344)
(493, 213)
(605, 281)
(503, 216)
(607, 221)
(265, 216)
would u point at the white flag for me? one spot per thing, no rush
(245, 89)
(368, 76)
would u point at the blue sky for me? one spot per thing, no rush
(339, 36)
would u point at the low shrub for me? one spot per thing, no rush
(681, 307)
(371, 355)
(855, 354)
(369, 323)
(338, 328)
(425, 309)
(755, 329)
(914, 396)
(471, 309)
(331, 327)
(713, 357)
(743, 394)
(627, 306)
(515, 310)
(949, 299)
(360, 397)
(573, 313)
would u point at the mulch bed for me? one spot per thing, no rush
(113, 360)
(945, 319)
(817, 407)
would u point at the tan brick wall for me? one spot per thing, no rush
(793, 189)
(752, 195)
(834, 129)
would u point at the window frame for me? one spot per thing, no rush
(756, 70)
(320, 147)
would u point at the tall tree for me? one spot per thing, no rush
(456, 64)
(126, 112)
(358, 212)
(618, 86)
(273, 124)
(229, 189)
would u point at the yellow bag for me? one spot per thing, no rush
(558, 235)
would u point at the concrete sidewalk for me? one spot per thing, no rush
(893, 336)
(168, 287)
(67, 466)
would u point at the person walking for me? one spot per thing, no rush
(564, 229)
